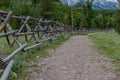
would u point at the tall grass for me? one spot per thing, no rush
(20, 69)
(108, 44)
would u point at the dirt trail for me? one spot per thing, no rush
(74, 60)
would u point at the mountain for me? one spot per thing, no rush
(97, 4)
(104, 5)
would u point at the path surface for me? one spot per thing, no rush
(74, 60)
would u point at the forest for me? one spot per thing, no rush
(81, 16)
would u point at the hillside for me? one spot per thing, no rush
(98, 4)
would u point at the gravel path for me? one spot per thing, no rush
(74, 60)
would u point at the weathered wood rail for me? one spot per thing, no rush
(48, 29)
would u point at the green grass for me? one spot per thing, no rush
(108, 44)
(20, 67)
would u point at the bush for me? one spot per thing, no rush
(117, 21)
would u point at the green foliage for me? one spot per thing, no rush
(86, 17)
(4, 3)
(83, 14)
(88, 13)
(35, 10)
(117, 21)
(20, 7)
(15, 6)
(61, 13)
(20, 63)
(48, 9)
(35, 1)
(12, 76)
(57, 0)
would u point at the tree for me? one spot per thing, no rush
(4, 3)
(48, 9)
(117, 26)
(19, 7)
(56, 0)
(35, 1)
(61, 13)
(88, 13)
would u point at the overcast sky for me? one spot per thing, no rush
(112, 0)
(106, 0)
(75, 1)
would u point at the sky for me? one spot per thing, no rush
(106, 0)
(75, 1)
(112, 0)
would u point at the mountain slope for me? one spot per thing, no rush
(97, 4)
(104, 5)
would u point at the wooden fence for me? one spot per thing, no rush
(31, 29)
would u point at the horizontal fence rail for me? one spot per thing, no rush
(30, 28)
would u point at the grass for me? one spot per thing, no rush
(20, 69)
(108, 44)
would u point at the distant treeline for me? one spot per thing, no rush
(84, 17)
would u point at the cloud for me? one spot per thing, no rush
(96, 0)
(75, 1)
(112, 0)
